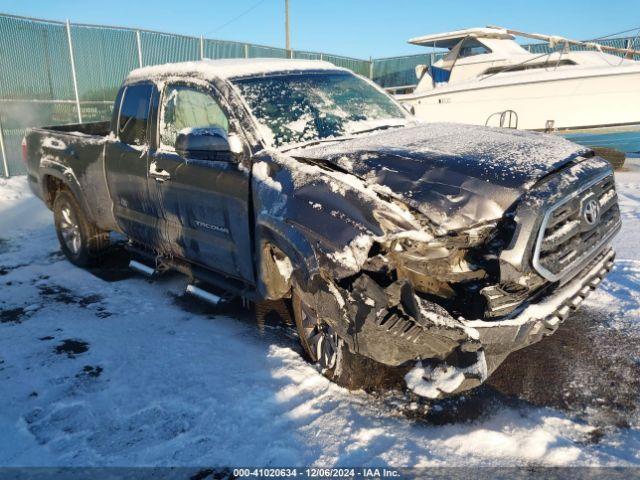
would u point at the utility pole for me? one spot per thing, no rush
(286, 26)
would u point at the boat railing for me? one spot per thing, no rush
(508, 119)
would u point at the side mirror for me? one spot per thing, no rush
(210, 143)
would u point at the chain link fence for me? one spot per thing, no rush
(60, 73)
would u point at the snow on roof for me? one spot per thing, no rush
(449, 39)
(229, 68)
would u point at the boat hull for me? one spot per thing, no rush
(561, 103)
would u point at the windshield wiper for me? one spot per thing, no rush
(373, 129)
(311, 143)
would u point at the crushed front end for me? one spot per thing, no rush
(452, 307)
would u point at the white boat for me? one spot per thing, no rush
(487, 78)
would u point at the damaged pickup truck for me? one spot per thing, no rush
(438, 249)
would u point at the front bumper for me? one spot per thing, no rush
(543, 317)
(396, 327)
(436, 379)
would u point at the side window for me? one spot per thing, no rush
(134, 114)
(187, 107)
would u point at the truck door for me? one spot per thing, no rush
(204, 203)
(126, 162)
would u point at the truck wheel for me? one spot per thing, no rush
(81, 241)
(327, 350)
(320, 342)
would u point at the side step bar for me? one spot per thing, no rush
(202, 294)
(203, 282)
(142, 268)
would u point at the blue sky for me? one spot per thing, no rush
(358, 28)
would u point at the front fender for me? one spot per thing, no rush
(330, 226)
(297, 210)
(274, 277)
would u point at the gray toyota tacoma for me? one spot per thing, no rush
(436, 249)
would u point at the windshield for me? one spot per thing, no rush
(295, 108)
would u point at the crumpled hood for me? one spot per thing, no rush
(456, 175)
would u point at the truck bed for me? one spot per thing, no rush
(73, 153)
(99, 129)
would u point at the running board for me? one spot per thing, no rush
(142, 268)
(202, 294)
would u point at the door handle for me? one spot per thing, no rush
(158, 174)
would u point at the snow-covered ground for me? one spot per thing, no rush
(129, 372)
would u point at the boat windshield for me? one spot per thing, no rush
(466, 47)
(470, 47)
(308, 106)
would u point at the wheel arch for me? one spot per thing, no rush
(294, 246)
(53, 181)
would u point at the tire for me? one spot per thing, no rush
(348, 369)
(81, 241)
(321, 344)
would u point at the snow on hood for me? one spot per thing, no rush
(458, 175)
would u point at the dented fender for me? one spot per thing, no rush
(315, 215)
(327, 223)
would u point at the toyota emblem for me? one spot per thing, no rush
(591, 212)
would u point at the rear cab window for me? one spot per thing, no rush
(133, 119)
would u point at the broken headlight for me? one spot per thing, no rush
(433, 267)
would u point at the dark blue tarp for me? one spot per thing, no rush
(439, 75)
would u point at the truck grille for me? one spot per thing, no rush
(574, 229)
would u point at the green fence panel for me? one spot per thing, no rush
(96, 111)
(613, 42)
(16, 116)
(307, 55)
(398, 71)
(627, 42)
(223, 49)
(103, 58)
(34, 60)
(159, 48)
(261, 51)
(632, 43)
(538, 48)
(361, 67)
(36, 78)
